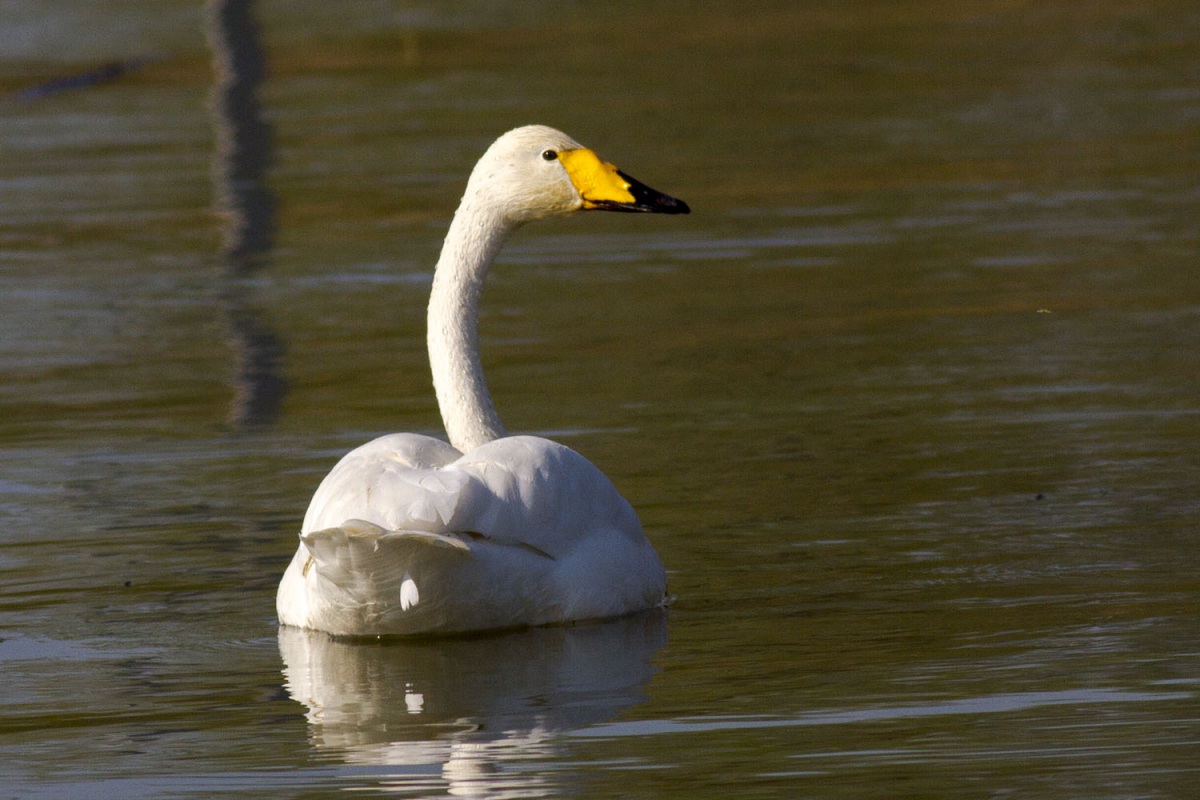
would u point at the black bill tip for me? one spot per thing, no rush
(646, 199)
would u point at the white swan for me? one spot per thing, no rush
(411, 535)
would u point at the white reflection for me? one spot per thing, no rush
(470, 709)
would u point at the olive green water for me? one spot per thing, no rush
(908, 405)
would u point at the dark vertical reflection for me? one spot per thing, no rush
(246, 205)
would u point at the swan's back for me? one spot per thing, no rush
(401, 538)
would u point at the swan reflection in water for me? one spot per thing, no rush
(468, 707)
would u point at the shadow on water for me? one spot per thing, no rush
(468, 707)
(247, 207)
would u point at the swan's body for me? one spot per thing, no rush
(409, 534)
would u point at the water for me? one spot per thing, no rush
(907, 405)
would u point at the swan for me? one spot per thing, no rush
(411, 535)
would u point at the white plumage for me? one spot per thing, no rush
(409, 534)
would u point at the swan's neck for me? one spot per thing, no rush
(476, 235)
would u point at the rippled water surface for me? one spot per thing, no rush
(908, 404)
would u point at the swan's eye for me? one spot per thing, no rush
(549, 155)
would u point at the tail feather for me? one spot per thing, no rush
(359, 577)
(358, 534)
(367, 569)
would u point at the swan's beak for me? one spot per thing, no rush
(605, 188)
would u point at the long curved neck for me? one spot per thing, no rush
(475, 237)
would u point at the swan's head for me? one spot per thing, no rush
(536, 172)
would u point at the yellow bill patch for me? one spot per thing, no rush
(596, 181)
